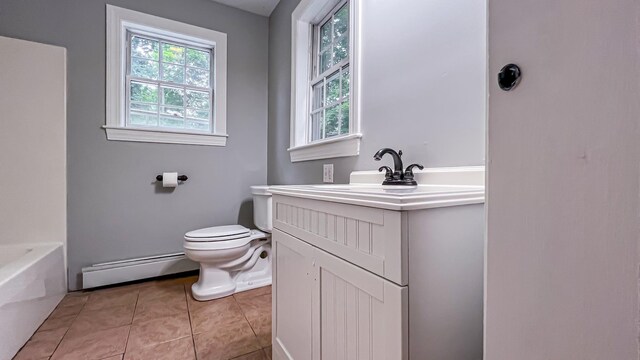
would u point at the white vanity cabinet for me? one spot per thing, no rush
(351, 266)
(329, 308)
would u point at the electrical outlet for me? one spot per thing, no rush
(327, 173)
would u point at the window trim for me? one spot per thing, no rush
(308, 14)
(121, 21)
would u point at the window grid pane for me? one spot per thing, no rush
(169, 85)
(172, 53)
(146, 69)
(332, 40)
(341, 21)
(329, 105)
(197, 58)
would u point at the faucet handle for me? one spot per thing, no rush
(408, 173)
(388, 172)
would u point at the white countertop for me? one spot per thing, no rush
(388, 197)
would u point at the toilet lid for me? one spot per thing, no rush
(216, 233)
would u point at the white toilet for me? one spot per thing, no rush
(233, 258)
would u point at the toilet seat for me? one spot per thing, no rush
(216, 245)
(220, 237)
(218, 233)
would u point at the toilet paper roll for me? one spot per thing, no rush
(170, 179)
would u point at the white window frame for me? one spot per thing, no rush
(304, 17)
(122, 21)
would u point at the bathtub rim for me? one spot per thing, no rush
(39, 251)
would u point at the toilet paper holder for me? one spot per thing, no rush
(180, 177)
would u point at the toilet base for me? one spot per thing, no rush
(259, 276)
(202, 293)
(216, 282)
(212, 284)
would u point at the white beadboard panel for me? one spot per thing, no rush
(292, 298)
(362, 316)
(371, 238)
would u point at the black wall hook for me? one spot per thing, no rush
(509, 77)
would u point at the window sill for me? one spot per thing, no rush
(343, 146)
(164, 136)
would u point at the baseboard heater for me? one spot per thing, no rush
(121, 271)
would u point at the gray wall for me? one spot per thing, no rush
(423, 90)
(114, 209)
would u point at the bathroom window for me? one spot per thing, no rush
(329, 115)
(166, 81)
(324, 112)
(169, 85)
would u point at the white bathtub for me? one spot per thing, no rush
(32, 283)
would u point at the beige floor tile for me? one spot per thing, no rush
(176, 281)
(269, 352)
(156, 331)
(158, 308)
(257, 310)
(155, 320)
(262, 328)
(215, 314)
(74, 299)
(111, 297)
(107, 318)
(195, 304)
(190, 280)
(188, 285)
(180, 349)
(256, 355)
(187, 290)
(226, 342)
(41, 345)
(253, 293)
(66, 311)
(57, 323)
(93, 346)
(255, 307)
(170, 292)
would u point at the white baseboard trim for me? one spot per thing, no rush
(116, 272)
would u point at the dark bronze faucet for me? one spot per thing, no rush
(397, 176)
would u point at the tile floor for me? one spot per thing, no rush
(154, 320)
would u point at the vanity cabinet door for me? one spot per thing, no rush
(292, 298)
(327, 308)
(360, 315)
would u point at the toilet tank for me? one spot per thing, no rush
(262, 207)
